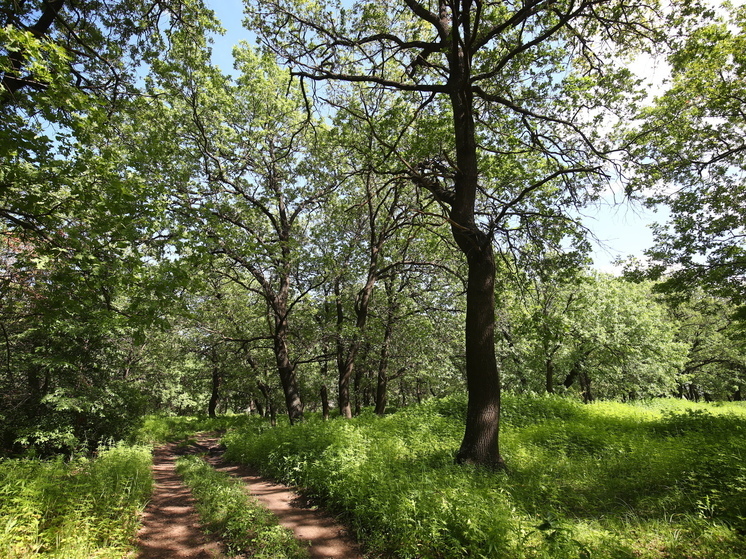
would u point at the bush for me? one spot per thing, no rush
(583, 481)
(75, 422)
(156, 429)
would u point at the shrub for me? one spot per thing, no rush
(155, 429)
(599, 480)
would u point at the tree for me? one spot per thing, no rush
(246, 187)
(65, 68)
(715, 366)
(610, 337)
(372, 218)
(690, 145)
(511, 79)
(83, 230)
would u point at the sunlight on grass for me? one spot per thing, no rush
(607, 480)
(73, 510)
(228, 511)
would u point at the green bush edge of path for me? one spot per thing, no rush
(80, 509)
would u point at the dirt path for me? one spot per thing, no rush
(327, 539)
(171, 526)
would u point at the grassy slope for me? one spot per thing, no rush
(608, 480)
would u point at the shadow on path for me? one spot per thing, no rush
(170, 525)
(327, 539)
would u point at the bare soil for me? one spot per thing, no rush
(171, 527)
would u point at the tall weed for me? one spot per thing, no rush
(80, 509)
(606, 480)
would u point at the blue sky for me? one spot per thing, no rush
(622, 229)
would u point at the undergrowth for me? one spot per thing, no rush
(607, 480)
(80, 509)
(156, 429)
(237, 518)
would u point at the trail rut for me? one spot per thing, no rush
(171, 528)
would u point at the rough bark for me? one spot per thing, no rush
(480, 443)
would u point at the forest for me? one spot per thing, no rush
(365, 240)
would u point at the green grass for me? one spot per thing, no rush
(156, 429)
(608, 480)
(237, 518)
(73, 510)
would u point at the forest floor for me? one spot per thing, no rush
(171, 527)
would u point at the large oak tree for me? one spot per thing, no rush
(514, 97)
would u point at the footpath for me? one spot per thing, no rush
(171, 528)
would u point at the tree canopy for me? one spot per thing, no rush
(382, 200)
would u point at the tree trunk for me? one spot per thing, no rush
(345, 373)
(347, 353)
(549, 364)
(585, 386)
(345, 358)
(285, 367)
(260, 408)
(265, 390)
(359, 391)
(381, 393)
(288, 378)
(480, 443)
(383, 362)
(325, 402)
(215, 394)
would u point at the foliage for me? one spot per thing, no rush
(601, 480)
(243, 524)
(715, 367)
(691, 156)
(155, 429)
(80, 509)
(607, 335)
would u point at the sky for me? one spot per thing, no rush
(619, 228)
